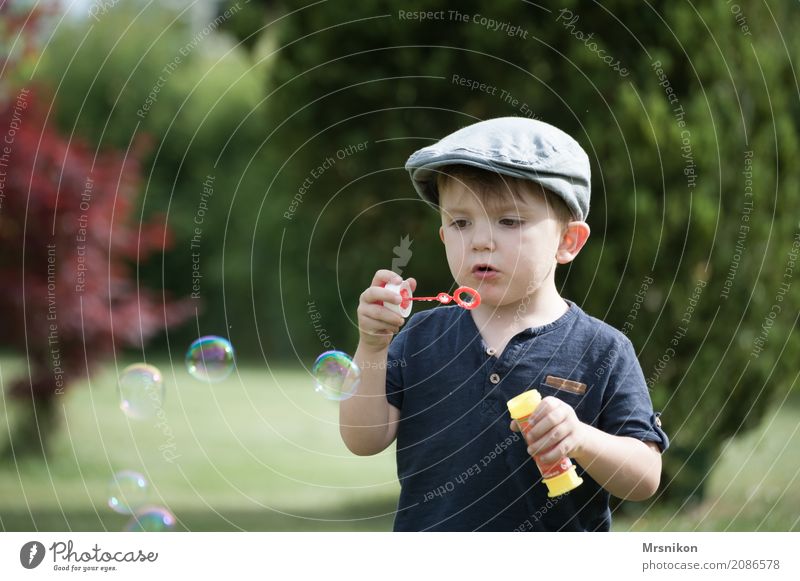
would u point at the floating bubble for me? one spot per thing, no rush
(336, 375)
(210, 358)
(151, 519)
(127, 492)
(141, 391)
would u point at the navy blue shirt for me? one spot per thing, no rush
(460, 466)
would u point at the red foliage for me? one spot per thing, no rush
(70, 241)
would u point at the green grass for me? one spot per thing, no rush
(754, 485)
(261, 452)
(255, 452)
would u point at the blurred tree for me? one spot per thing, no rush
(69, 234)
(678, 107)
(21, 30)
(198, 97)
(248, 21)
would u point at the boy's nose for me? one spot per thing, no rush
(483, 239)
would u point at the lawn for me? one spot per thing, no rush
(261, 452)
(754, 485)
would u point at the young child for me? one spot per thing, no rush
(513, 194)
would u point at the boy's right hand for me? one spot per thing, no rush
(376, 323)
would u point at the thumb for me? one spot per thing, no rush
(514, 426)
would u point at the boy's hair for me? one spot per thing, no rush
(490, 185)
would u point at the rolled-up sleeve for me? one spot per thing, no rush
(627, 407)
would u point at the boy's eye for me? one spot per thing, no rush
(459, 223)
(510, 221)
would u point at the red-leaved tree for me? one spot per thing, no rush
(70, 239)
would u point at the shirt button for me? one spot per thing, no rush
(490, 352)
(494, 378)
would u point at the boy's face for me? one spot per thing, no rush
(505, 248)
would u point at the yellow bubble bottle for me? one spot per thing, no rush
(560, 477)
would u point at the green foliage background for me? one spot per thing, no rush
(194, 99)
(329, 75)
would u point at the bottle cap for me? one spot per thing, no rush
(524, 404)
(563, 483)
(404, 290)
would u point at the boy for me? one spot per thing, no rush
(513, 194)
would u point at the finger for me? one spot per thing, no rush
(547, 405)
(376, 294)
(378, 331)
(382, 315)
(542, 427)
(412, 282)
(382, 333)
(552, 417)
(547, 441)
(375, 329)
(514, 426)
(374, 316)
(383, 276)
(557, 452)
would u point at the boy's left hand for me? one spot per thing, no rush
(556, 431)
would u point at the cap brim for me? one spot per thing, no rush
(424, 176)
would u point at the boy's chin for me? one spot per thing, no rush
(496, 297)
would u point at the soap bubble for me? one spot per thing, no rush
(210, 358)
(336, 375)
(127, 492)
(151, 519)
(141, 391)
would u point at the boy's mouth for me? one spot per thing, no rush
(483, 268)
(483, 271)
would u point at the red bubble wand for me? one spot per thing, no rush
(470, 303)
(472, 300)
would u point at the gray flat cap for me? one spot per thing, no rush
(513, 146)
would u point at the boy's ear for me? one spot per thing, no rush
(441, 233)
(572, 240)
